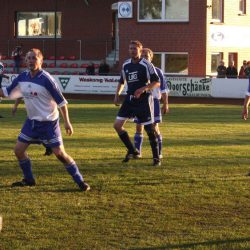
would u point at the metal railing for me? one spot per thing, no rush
(80, 49)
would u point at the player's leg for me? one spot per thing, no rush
(138, 138)
(71, 167)
(158, 119)
(159, 139)
(124, 136)
(53, 139)
(25, 165)
(48, 150)
(145, 115)
(25, 137)
(123, 115)
(150, 129)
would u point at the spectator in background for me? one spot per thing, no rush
(2, 75)
(17, 56)
(221, 70)
(231, 72)
(242, 73)
(104, 68)
(247, 70)
(90, 70)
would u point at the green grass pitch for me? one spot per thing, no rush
(198, 199)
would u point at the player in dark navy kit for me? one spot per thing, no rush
(141, 78)
(158, 94)
(42, 98)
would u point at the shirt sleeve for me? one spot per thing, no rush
(163, 86)
(52, 87)
(13, 91)
(153, 74)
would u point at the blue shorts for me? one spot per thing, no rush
(47, 132)
(157, 112)
(142, 108)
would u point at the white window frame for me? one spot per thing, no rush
(220, 19)
(163, 14)
(163, 62)
(38, 36)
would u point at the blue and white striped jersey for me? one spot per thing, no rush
(41, 95)
(137, 75)
(163, 87)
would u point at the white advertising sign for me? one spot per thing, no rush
(229, 88)
(178, 86)
(88, 84)
(189, 86)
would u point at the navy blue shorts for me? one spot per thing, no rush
(142, 108)
(157, 112)
(47, 132)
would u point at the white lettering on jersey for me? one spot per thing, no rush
(133, 76)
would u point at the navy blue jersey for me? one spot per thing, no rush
(137, 75)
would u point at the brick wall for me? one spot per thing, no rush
(92, 24)
(170, 37)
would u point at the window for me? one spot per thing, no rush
(38, 24)
(172, 63)
(215, 60)
(217, 10)
(242, 7)
(163, 10)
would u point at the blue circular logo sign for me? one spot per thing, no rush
(125, 10)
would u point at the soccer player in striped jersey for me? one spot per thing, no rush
(158, 94)
(42, 98)
(48, 150)
(141, 78)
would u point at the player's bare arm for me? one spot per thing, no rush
(245, 108)
(150, 86)
(119, 90)
(67, 125)
(165, 108)
(14, 108)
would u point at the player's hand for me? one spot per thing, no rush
(138, 92)
(68, 127)
(245, 113)
(117, 100)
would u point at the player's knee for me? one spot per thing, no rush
(60, 155)
(19, 152)
(139, 129)
(150, 129)
(117, 127)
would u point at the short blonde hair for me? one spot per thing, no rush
(151, 53)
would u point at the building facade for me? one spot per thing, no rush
(189, 37)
